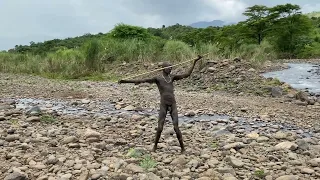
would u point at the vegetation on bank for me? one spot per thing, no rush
(268, 33)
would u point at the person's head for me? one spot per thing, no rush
(167, 67)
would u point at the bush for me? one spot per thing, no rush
(310, 51)
(124, 31)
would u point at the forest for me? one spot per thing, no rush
(268, 33)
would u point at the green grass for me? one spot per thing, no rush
(134, 153)
(95, 59)
(14, 122)
(148, 163)
(260, 174)
(47, 119)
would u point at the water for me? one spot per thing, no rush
(299, 76)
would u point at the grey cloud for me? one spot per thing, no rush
(39, 20)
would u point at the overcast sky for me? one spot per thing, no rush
(23, 21)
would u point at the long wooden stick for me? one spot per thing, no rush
(161, 68)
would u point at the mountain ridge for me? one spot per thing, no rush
(214, 23)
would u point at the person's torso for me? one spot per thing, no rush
(166, 90)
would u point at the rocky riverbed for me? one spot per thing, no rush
(52, 129)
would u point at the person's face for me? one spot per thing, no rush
(167, 70)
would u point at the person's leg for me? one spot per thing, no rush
(174, 116)
(162, 116)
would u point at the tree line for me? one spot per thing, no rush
(291, 33)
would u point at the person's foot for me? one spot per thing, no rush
(154, 149)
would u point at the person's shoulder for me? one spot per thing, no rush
(156, 78)
(173, 75)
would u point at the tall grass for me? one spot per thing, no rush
(257, 54)
(176, 51)
(92, 53)
(96, 56)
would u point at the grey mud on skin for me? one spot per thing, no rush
(167, 98)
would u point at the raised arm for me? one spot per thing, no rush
(188, 73)
(138, 81)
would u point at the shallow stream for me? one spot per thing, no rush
(300, 76)
(220, 124)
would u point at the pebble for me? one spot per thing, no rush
(307, 170)
(16, 176)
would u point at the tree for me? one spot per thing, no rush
(290, 29)
(124, 31)
(258, 21)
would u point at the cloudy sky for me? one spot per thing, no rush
(23, 21)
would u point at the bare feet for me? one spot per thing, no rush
(183, 151)
(154, 149)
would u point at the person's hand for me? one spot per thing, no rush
(199, 57)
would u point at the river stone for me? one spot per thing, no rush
(302, 144)
(34, 111)
(11, 138)
(253, 135)
(302, 96)
(276, 91)
(129, 108)
(134, 168)
(286, 146)
(92, 134)
(152, 176)
(315, 162)
(234, 162)
(180, 161)
(288, 177)
(193, 163)
(66, 176)
(211, 69)
(281, 135)
(85, 101)
(213, 162)
(96, 176)
(84, 175)
(33, 119)
(70, 139)
(16, 176)
(307, 171)
(52, 160)
(234, 145)
(136, 117)
(210, 173)
(262, 139)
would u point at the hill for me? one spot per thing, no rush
(204, 24)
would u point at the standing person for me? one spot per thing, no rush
(167, 98)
